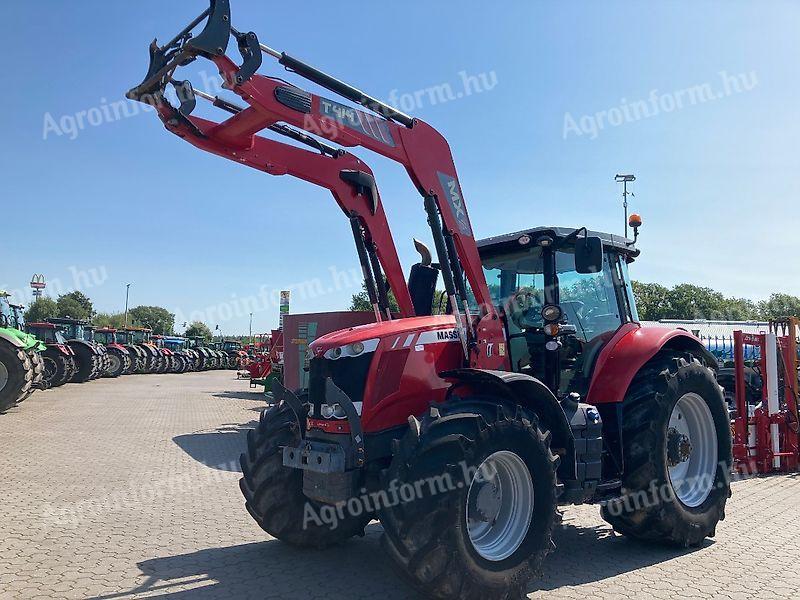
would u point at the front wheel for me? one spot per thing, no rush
(677, 454)
(274, 493)
(475, 503)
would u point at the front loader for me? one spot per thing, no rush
(461, 432)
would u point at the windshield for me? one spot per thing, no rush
(6, 318)
(589, 301)
(139, 337)
(232, 346)
(104, 337)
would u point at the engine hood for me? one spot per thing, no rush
(386, 329)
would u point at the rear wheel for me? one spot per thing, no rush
(16, 374)
(677, 454)
(478, 495)
(58, 367)
(87, 364)
(37, 365)
(274, 493)
(118, 363)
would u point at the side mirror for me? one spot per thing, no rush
(588, 255)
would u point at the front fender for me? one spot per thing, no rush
(533, 395)
(629, 350)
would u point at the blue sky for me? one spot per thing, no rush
(124, 201)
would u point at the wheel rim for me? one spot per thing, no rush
(499, 505)
(692, 450)
(3, 376)
(114, 363)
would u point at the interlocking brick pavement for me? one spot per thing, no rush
(128, 489)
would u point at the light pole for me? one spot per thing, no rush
(251, 328)
(127, 292)
(624, 179)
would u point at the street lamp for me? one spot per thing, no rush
(251, 328)
(624, 179)
(127, 292)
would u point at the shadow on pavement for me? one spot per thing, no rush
(219, 448)
(589, 554)
(359, 568)
(242, 395)
(272, 569)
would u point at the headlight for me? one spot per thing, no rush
(552, 312)
(337, 352)
(332, 411)
(356, 349)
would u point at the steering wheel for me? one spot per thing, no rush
(522, 305)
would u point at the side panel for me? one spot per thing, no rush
(627, 352)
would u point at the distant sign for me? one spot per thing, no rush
(284, 306)
(37, 284)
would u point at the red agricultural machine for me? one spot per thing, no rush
(461, 432)
(90, 357)
(121, 358)
(767, 428)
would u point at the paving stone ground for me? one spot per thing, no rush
(128, 489)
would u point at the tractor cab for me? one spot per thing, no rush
(6, 312)
(139, 335)
(105, 336)
(47, 332)
(563, 293)
(175, 343)
(231, 346)
(18, 314)
(73, 329)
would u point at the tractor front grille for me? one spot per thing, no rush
(349, 374)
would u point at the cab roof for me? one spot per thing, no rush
(610, 241)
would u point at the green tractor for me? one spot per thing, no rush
(60, 361)
(21, 367)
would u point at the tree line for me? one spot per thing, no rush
(686, 301)
(76, 305)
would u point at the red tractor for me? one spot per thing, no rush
(90, 357)
(120, 358)
(461, 432)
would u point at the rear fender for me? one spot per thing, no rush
(11, 339)
(629, 350)
(90, 347)
(531, 394)
(119, 347)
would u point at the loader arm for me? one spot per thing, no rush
(421, 149)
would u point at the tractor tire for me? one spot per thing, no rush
(98, 366)
(16, 375)
(484, 504)
(58, 367)
(119, 363)
(274, 493)
(37, 365)
(87, 365)
(677, 444)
